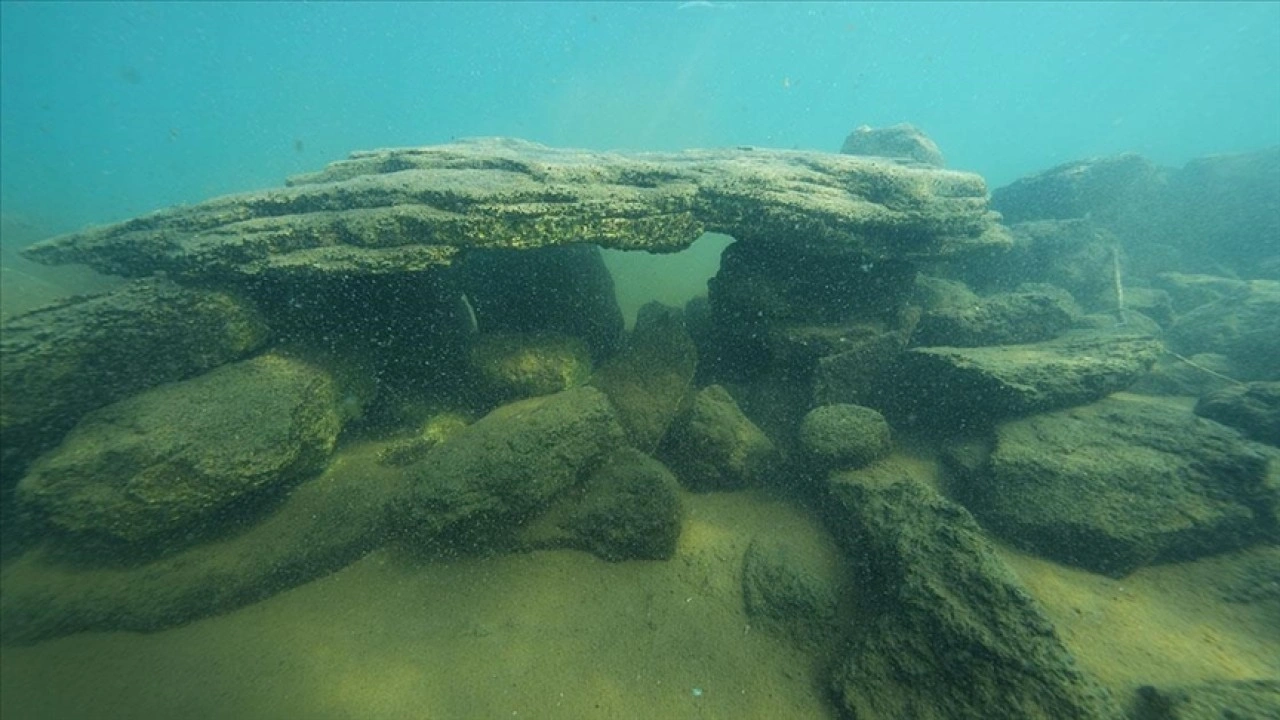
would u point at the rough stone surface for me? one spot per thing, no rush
(1151, 302)
(1122, 483)
(1190, 291)
(857, 372)
(510, 366)
(435, 430)
(510, 465)
(903, 141)
(60, 362)
(159, 463)
(1223, 700)
(628, 509)
(1075, 255)
(1001, 319)
(951, 634)
(1187, 376)
(791, 588)
(1216, 214)
(648, 381)
(1252, 408)
(714, 446)
(932, 292)
(844, 436)
(322, 525)
(965, 387)
(475, 484)
(785, 309)
(405, 210)
(1100, 186)
(1243, 327)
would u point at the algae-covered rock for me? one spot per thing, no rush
(1252, 576)
(1031, 315)
(434, 431)
(860, 371)
(504, 468)
(408, 209)
(648, 381)
(511, 366)
(1077, 255)
(1187, 376)
(60, 362)
(1103, 187)
(1244, 327)
(321, 525)
(628, 509)
(776, 308)
(904, 141)
(952, 634)
(1190, 291)
(161, 462)
(510, 465)
(958, 387)
(1119, 484)
(1150, 302)
(844, 436)
(714, 446)
(1252, 408)
(1221, 210)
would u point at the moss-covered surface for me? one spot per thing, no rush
(1031, 315)
(1121, 483)
(957, 388)
(1252, 408)
(944, 607)
(59, 362)
(844, 436)
(509, 465)
(325, 523)
(649, 380)
(401, 210)
(158, 463)
(715, 446)
(795, 588)
(628, 509)
(510, 366)
(1244, 327)
(479, 484)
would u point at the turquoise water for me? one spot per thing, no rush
(114, 109)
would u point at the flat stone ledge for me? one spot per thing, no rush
(411, 209)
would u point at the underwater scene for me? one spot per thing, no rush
(875, 361)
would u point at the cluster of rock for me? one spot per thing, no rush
(421, 346)
(404, 293)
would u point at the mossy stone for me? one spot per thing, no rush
(844, 436)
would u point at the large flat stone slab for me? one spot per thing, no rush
(409, 209)
(966, 387)
(1121, 483)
